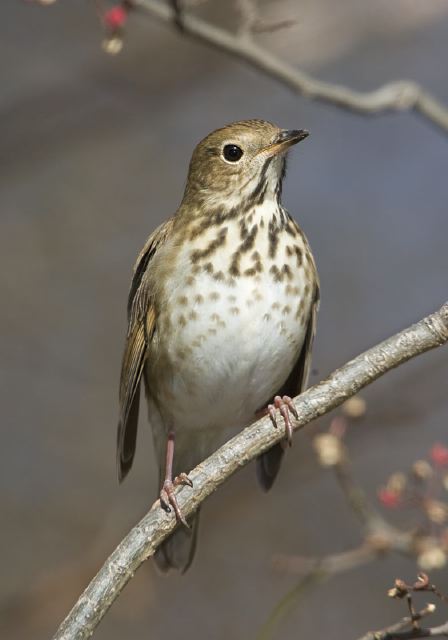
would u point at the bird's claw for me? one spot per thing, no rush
(183, 479)
(168, 498)
(286, 406)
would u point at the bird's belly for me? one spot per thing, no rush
(230, 349)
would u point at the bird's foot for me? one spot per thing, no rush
(286, 406)
(168, 498)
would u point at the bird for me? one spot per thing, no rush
(222, 314)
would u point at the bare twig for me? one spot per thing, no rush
(155, 526)
(313, 578)
(378, 533)
(402, 591)
(319, 569)
(401, 95)
(422, 584)
(395, 631)
(329, 565)
(251, 23)
(177, 15)
(249, 16)
(380, 538)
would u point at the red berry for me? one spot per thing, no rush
(115, 18)
(388, 498)
(439, 455)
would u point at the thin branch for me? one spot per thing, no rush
(380, 538)
(395, 631)
(155, 526)
(251, 23)
(401, 95)
(402, 591)
(379, 534)
(333, 564)
(290, 600)
(318, 569)
(248, 10)
(329, 565)
(177, 14)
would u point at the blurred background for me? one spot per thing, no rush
(94, 152)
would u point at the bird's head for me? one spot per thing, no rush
(240, 161)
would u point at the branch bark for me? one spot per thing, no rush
(141, 542)
(396, 632)
(401, 95)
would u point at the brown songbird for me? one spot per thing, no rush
(221, 315)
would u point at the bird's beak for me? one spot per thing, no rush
(285, 139)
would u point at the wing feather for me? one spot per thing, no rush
(141, 327)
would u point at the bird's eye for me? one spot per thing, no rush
(232, 153)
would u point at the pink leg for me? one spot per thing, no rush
(167, 496)
(286, 406)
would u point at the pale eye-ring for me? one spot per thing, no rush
(232, 153)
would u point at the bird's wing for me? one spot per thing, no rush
(268, 464)
(298, 378)
(141, 326)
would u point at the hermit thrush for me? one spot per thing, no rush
(222, 314)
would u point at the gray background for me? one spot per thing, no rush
(93, 156)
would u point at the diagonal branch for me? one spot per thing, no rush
(396, 631)
(401, 95)
(156, 525)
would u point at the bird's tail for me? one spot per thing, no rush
(177, 551)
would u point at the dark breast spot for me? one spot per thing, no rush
(234, 269)
(211, 248)
(219, 276)
(246, 245)
(275, 272)
(299, 255)
(273, 232)
(291, 229)
(286, 271)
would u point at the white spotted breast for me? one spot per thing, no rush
(233, 321)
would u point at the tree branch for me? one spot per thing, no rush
(379, 537)
(402, 591)
(395, 631)
(156, 525)
(401, 95)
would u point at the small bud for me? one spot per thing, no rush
(397, 482)
(430, 607)
(437, 511)
(329, 449)
(432, 556)
(399, 590)
(422, 582)
(445, 481)
(354, 407)
(439, 455)
(401, 586)
(112, 45)
(422, 470)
